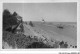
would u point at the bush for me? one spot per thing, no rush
(15, 40)
(31, 24)
(9, 38)
(22, 41)
(38, 45)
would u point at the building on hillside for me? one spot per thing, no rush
(19, 29)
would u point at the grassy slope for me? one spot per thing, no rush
(52, 32)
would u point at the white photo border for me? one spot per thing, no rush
(41, 1)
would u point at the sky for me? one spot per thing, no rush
(52, 12)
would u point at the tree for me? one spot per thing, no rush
(15, 14)
(9, 20)
(6, 13)
(6, 16)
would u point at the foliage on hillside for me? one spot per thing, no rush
(23, 41)
(10, 20)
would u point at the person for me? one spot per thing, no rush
(70, 46)
(61, 43)
(75, 46)
(66, 45)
